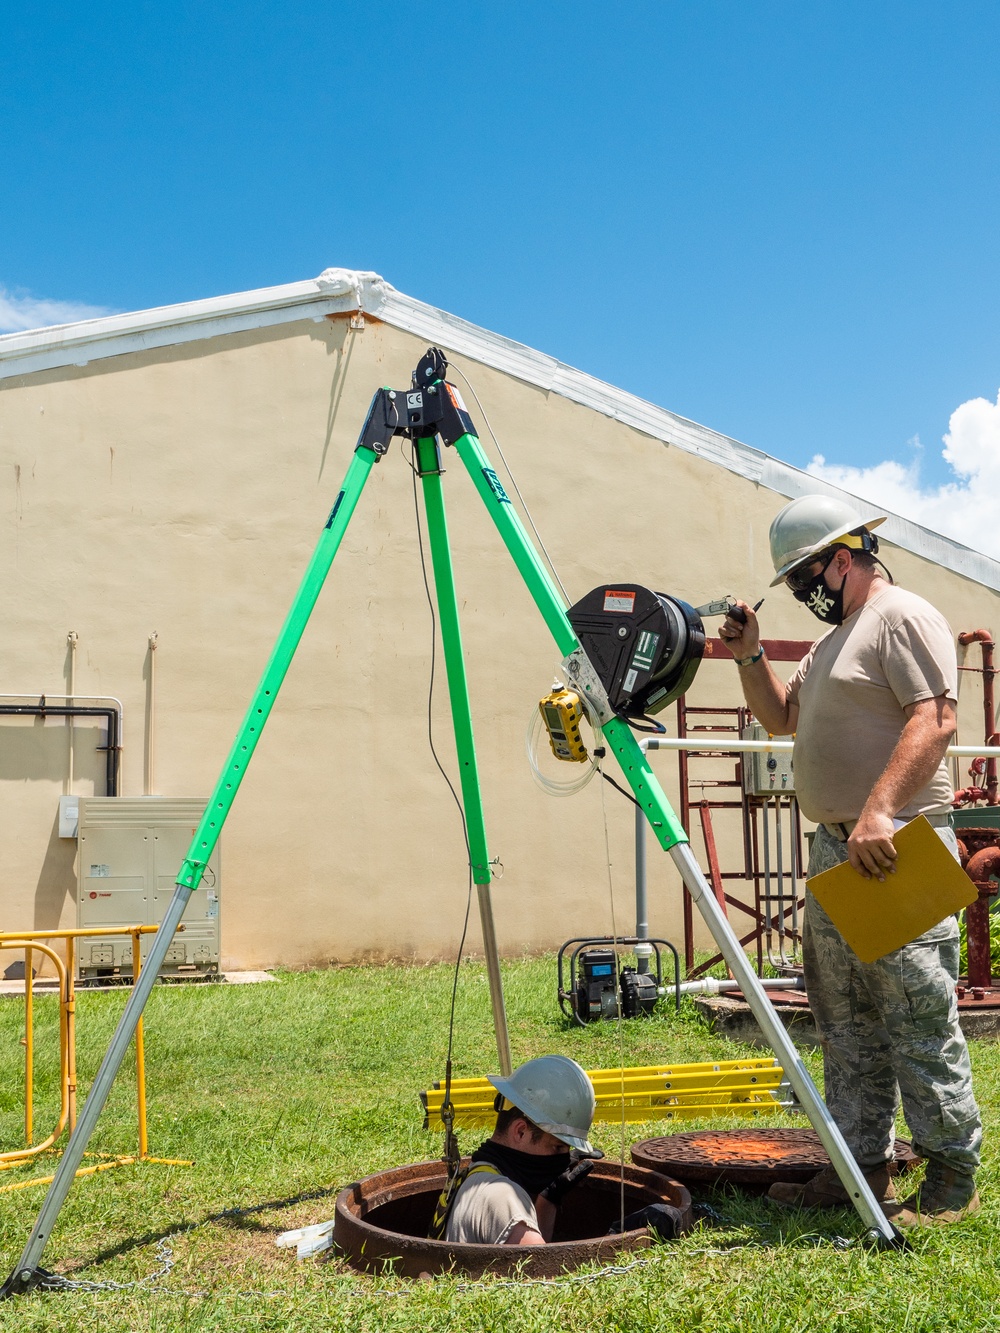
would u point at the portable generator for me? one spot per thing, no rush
(595, 995)
(598, 989)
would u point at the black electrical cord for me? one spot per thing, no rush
(446, 1105)
(617, 786)
(655, 728)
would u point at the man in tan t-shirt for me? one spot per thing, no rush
(539, 1150)
(872, 707)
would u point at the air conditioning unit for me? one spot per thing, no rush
(129, 852)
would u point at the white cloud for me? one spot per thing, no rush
(967, 508)
(20, 311)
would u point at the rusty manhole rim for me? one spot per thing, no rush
(677, 1155)
(375, 1249)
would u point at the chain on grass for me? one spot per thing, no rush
(54, 1282)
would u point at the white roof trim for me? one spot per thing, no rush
(334, 292)
(339, 291)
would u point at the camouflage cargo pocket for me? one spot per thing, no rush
(926, 987)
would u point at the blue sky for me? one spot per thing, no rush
(781, 219)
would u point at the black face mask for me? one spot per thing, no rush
(532, 1171)
(821, 600)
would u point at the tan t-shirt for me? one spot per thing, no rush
(851, 689)
(487, 1207)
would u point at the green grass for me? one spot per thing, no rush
(308, 1083)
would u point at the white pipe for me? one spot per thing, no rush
(72, 638)
(713, 743)
(716, 985)
(766, 747)
(150, 754)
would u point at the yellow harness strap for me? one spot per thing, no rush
(446, 1199)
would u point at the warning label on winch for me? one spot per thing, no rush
(645, 651)
(619, 601)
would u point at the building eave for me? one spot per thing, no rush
(343, 291)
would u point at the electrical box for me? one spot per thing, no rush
(766, 773)
(129, 852)
(69, 816)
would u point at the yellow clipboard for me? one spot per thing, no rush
(875, 917)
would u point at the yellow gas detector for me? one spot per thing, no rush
(561, 712)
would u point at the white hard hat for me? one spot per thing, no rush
(555, 1094)
(811, 523)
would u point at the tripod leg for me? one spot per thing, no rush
(672, 838)
(206, 836)
(778, 1039)
(428, 462)
(24, 1275)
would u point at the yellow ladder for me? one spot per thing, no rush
(651, 1092)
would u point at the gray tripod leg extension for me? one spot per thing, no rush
(881, 1229)
(26, 1274)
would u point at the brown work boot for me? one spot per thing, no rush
(945, 1196)
(824, 1190)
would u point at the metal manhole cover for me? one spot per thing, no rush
(744, 1156)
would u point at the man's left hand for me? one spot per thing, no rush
(870, 848)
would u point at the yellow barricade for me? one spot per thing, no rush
(30, 942)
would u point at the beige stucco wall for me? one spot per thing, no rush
(182, 491)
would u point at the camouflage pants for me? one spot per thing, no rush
(890, 1028)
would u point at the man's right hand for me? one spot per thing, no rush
(870, 848)
(572, 1176)
(741, 637)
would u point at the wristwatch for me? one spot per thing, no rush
(749, 661)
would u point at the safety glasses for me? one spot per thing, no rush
(801, 577)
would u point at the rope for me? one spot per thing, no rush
(621, 1021)
(527, 512)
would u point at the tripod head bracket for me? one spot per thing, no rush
(431, 407)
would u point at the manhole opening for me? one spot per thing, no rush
(383, 1220)
(593, 1208)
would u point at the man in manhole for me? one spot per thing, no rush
(539, 1150)
(872, 706)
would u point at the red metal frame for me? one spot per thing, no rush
(987, 792)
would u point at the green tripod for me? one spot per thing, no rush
(432, 414)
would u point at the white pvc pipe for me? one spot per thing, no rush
(766, 747)
(151, 737)
(72, 639)
(716, 985)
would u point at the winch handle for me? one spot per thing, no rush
(740, 616)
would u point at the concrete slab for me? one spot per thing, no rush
(734, 1019)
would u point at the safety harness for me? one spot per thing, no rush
(446, 1199)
